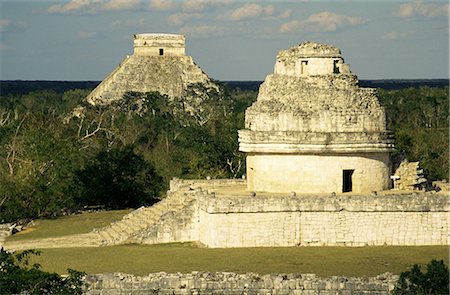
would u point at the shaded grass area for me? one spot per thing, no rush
(323, 261)
(68, 225)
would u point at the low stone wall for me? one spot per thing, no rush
(307, 220)
(232, 283)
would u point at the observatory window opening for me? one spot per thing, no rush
(336, 67)
(304, 64)
(161, 51)
(347, 185)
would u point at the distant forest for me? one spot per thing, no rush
(24, 87)
(59, 154)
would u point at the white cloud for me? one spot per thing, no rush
(201, 5)
(121, 4)
(285, 14)
(321, 22)
(202, 31)
(419, 8)
(75, 5)
(93, 6)
(129, 23)
(9, 26)
(179, 19)
(87, 35)
(394, 35)
(161, 5)
(248, 11)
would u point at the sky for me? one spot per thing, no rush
(229, 39)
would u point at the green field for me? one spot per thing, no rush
(323, 261)
(143, 259)
(67, 225)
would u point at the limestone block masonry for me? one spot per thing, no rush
(313, 130)
(228, 283)
(323, 220)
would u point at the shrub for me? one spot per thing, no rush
(119, 179)
(434, 281)
(18, 276)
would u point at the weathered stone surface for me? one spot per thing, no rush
(250, 283)
(409, 176)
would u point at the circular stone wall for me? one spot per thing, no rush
(284, 173)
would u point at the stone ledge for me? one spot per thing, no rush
(411, 202)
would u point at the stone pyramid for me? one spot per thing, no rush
(158, 64)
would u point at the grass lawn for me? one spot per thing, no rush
(67, 225)
(323, 261)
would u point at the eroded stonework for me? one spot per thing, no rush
(158, 64)
(313, 129)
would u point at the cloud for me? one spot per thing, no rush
(74, 5)
(93, 6)
(9, 26)
(419, 8)
(121, 4)
(285, 14)
(179, 19)
(394, 35)
(161, 5)
(248, 11)
(129, 23)
(202, 31)
(202, 5)
(321, 22)
(87, 35)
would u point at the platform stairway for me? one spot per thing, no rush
(119, 232)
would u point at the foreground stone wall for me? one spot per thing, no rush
(231, 283)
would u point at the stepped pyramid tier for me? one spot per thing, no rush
(158, 64)
(313, 129)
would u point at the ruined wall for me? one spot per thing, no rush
(325, 104)
(371, 172)
(318, 220)
(232, 283)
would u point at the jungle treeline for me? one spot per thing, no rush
(59, 154)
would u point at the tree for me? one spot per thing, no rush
(118, 178)
(415, 282)
(18, 276)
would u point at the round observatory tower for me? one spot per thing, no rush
(313, 129)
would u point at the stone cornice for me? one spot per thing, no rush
(314, 142)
